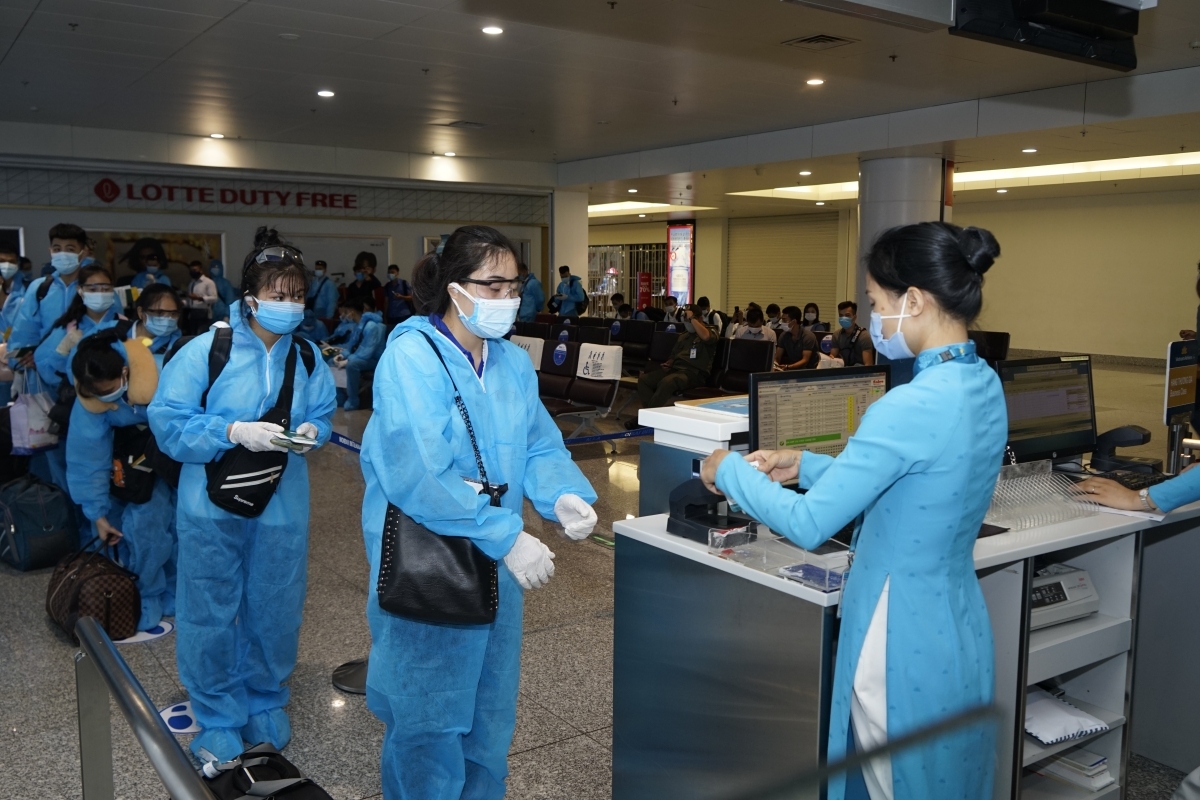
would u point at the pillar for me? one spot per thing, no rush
(891, 192)
(568, 235)
(711, 256)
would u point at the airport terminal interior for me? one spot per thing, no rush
(946, 252)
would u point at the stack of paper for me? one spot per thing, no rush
(1051, 720)
(1079, 768)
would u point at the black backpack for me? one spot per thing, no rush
(261, 772)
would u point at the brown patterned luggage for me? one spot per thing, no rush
(89, 584)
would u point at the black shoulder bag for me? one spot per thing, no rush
(243, 482)
(433, 578)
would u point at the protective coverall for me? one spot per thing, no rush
(227, 294)
(921, 468)
(148, 544)
(241, 581)
(323, 297)
(448, 693)
(362, 354)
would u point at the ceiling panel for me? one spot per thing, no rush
(287, 18)
(90, 12)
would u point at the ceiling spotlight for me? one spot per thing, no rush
(324, 93)
(815, 81)
(1002, 191)
(492, 30)
(216, 135)
(805, 173)
(1029, 150)
(820, 202)
(451, 154)
(633, 191)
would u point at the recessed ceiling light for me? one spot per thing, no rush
(492, 30)
(633, 191)
(1029, 150)
(815, 81)
(324, 93)
(1002, 191)
(217, 135)
(805, 173)
(451, 154)
(820, 202)
(641, 215)
(291, 37)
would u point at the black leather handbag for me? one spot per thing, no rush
(242, 481)
(433, 578)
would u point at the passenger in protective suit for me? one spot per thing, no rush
(148, 260)
(114, 381)
(448, 693)
(94, 308)
(157, 314)
(242, 580)
(226, 292)
(362, 352)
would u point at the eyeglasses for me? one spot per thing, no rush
(278, 256)
(497, 288)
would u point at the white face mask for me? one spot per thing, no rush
(490, 319)
(7, 269)
(894, 347)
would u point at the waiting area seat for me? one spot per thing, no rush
(743, 357)
(634, 337)
(568, 395)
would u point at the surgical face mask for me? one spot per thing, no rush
(894, 347)
(810, 317)
(358, 276)
(491, 319)
(64, 263)
(845, 322)
(393, 276)
(152, 269)
(99, 301)
(161, 326)
(320, 273)
(279, 317)
(113, 397)
(7, 269)
(216, 272)
(670, 309)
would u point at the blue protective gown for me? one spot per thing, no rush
(343, 334)
(226, 292)
(921, 468)
(148, 545)
(533, 300)
(366, 346)
(147, 278)
(324, 296)
(35, 319)
(571, 288)
(53, 365)
(159, 345)
(448, 693)
(12, 305)
(241, 581)
(312, 328)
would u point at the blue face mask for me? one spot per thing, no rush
(216, 272)
(152, 269)
(893, 348)
(113, 397)
(359, 276)
(279, 318)
(161, 326)
(64, 263)
(99, 301)
(845, 322)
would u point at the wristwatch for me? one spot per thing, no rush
(1147, 503)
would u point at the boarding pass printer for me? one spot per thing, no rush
(1061, 593)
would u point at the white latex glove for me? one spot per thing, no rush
(256, 436)
(530, 561)
(577, 517)
(309, 430)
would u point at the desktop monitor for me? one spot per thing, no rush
(1051, 413)
(813, 410)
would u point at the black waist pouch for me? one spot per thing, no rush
(243, 482)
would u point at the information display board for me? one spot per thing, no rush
(681, 254)
(1179, 398)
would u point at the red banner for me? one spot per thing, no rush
(643, 290)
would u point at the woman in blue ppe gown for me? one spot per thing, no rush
(362, 352)
(158, 310)
(94, 308)
(114, 382)
(916, 643)
(242, 580)
(448, 693)
(226, 292)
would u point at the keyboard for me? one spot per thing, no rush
(1134, 480)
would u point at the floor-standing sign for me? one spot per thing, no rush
(681, 260)
(1179, 399)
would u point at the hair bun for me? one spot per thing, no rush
(979, 248)
(265, 237)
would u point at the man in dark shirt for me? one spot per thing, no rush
(689, 365)
(365, 282)
(851, 343)
(797, 348)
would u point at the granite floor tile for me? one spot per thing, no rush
(578, 768)
(537, 727)
(568, 670)
(603, 737)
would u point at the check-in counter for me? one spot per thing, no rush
(723, 671)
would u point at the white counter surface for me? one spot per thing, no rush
(993, 551)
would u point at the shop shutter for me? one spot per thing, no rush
(784, 260)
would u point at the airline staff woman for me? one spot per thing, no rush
(916, 641)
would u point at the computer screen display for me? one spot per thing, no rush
(1051, 413)
(813, 410)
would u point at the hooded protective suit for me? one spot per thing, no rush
(448, 693)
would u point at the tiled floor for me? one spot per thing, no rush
(563, 742)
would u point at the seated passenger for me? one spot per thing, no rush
(688, 367)
(755, 328)
(361, 353)
(797, 349)
(129, 509)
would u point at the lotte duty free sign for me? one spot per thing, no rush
(109, 191)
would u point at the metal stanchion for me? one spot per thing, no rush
(351, 677)
(1175, 438)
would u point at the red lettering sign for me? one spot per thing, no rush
(107, 190)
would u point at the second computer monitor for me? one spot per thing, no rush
(814, 410)
(1051, 413)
